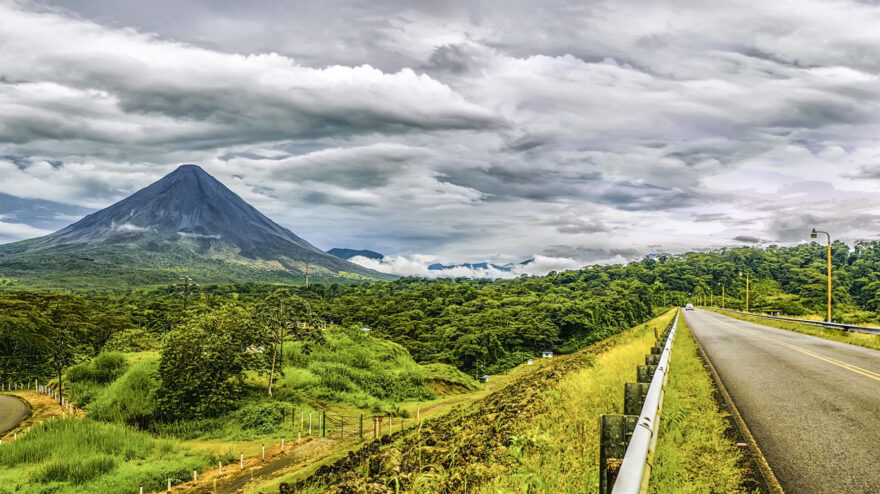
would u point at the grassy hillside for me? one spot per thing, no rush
(359, 370)
(352, 371)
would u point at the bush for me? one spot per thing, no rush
(102, 369)
(262, 418)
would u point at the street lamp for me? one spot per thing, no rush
(747, 289)
(815, 234)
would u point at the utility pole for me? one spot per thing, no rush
(814, 234)
(747, 289)
(722, 294)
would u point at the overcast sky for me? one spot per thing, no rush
(461, 131)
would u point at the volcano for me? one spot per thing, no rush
(185, 223)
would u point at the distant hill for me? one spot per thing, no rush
(478, 265)
(349, 253)
(185, 223)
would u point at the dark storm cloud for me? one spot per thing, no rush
(747, 239)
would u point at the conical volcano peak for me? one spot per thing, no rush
(190, 210)
(189, 169)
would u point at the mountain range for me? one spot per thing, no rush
(187, 223)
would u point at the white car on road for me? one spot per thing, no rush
(689, 307)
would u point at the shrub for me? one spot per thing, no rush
(102, 369)
(263, 417)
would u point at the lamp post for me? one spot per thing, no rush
(747, 289)
(815, 234)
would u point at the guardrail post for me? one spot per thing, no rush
(634, 397)
(615, 432)
(644, 373)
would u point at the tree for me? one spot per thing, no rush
(67, 335)
(282, 314)
(203, 363)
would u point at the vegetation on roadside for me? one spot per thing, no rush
(695, 452)
(72, 456)
(853, 338)
(558, 450)
(536, 434)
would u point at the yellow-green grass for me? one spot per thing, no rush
(559, 450)
(694, 453)
(853, 338)
(73, 455)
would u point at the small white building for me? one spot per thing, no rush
(484, 379)
(546, 354)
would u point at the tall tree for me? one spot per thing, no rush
(282, 314)
(67, 335)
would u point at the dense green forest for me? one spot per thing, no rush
(477, 326)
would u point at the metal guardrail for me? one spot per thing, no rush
(639, 458)
(823, 324)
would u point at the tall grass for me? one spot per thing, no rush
(559, 450)
(68, 455)
(131, 398)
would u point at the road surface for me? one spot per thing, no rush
(12, 411)
(812, 405)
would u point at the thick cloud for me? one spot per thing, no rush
(590, 131)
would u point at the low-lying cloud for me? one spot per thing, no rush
(419, 265)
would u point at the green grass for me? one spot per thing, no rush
(116, 387)
(860, 339)
(558, 452)
(73, 456)
(695, 453)
(445, 375)
(357, 370)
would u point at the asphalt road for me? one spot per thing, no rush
(812, 405)
(12, 411)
